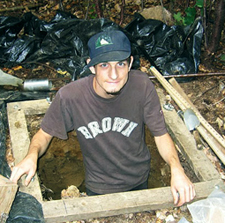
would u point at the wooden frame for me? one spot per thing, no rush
(111, 204)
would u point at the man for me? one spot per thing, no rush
(109, 110)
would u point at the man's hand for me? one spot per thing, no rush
(182, 189)
(27, 166)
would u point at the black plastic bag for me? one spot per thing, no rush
(9, 29)
(173, 50)
(25, 209)
(63, 42)
(66, 47)
(4, 168)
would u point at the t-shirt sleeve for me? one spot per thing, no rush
(57, 120)
(153, 114)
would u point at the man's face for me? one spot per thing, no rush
(110, 77)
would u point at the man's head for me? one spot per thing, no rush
(110, 61)
(112, 45)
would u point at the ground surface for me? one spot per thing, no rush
(206, 92)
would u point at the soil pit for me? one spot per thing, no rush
(62, 165)
(28, 115)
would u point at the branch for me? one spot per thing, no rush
(98, 8)
(163, 14)
(17, 8)
(88, 6)
(205, 24)
(122, 12)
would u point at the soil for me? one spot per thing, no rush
(206, 92)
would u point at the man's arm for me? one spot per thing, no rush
(28, 165)
(182, 189)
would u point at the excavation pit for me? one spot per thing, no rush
(62, 210)
(62, 164)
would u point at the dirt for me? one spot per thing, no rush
(206, 92)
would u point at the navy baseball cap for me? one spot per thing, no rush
(111, 45)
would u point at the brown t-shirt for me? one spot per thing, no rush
(110, 131)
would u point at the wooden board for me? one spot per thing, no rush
(8, 191)
(200, 163)
(119, 203)
(19, 136)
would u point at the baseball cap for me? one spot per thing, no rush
(111, 45)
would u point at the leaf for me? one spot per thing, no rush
(222, 57)
(190, 16)
(190, 12)
(178, 17)
(17, 68)
(199, 3)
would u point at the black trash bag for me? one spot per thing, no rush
(9, 29)
(4, 168)
(25, 209)
(15, 50)
(193, 41)
(21, 49)
(189, 60)
(13, 96)
(33, 26)
(173, 50)
(65, 45)
(62, 41)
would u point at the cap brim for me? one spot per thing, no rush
(109, 56)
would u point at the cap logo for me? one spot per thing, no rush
(103, 41)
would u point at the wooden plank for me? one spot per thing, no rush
(55, 211)
(200, 163)
(120, 203)
(8, 191)
(33, 107)
(20, 142)
(176, 86)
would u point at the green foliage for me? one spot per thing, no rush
(92, 12)
(190, 14)
(222, 57)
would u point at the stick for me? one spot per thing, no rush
(190, 75)
(16, 8)
(183, 104)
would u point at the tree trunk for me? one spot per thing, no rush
(98, 4)
(218, 26)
